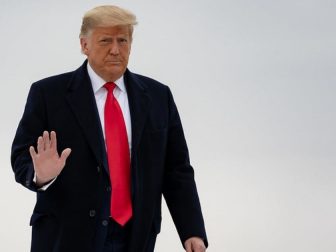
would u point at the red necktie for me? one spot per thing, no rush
(118, 158)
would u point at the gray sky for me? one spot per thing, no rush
(254, 82)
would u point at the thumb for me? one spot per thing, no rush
(32, 152)
(65, 154)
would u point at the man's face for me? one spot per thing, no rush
(108, 50)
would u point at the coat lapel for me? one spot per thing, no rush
(139, 104)
(82, 102)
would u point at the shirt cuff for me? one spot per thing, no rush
(45, 186)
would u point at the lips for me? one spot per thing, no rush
(113, 62)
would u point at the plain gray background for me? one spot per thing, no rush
(254, 82)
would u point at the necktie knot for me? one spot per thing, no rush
(110, 86)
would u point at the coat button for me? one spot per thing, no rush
(92, 213)
(108, 189)
(98, 168)
(104, 223)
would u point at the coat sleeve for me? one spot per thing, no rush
(179, 187)
(30, 128)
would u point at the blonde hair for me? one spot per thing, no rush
(107, 15)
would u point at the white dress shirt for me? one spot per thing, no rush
(100, 94)
(119, 93)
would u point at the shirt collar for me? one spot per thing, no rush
(98, 82)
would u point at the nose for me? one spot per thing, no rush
(114, 49)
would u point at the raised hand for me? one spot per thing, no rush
(47, 163)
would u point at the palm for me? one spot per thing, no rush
(47, 163)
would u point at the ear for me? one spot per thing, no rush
(84, 45)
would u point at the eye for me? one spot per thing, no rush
(122, 40)
(105, 40)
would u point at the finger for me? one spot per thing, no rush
(188, 246)
(192, 245)
(197, 247)
(32, 152)
(65, 154)
(46, 140)
(53, 140)
(40, 144)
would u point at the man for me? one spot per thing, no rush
(122, 146)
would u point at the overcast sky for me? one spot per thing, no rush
(254, 82)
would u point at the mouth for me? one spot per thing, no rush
(114, 62)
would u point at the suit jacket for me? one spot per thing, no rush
(66, 215)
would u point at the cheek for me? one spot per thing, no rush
(100, 54)
(126, 53)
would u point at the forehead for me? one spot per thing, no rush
(111, 31)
